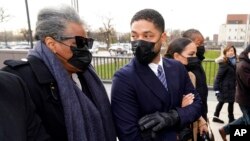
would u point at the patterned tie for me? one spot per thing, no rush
(162, 77)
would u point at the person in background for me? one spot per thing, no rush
(147, 93)
(225, 83)
(184, 50)
(196, 67)
(69, 96)
(242, 95)
(18, 120)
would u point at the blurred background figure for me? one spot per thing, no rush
(242, 92)
(225, 83)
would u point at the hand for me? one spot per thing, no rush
(158, 121)
(187, 100)
(203, 129)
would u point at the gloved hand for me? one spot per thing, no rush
(158, 121)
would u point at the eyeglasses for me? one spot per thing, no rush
(80, 41)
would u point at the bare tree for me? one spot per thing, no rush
(124, 38)
(25, 34)
(108, 31)
(4, 18)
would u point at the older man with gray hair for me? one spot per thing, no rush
(68, 95)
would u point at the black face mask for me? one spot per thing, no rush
(200, 52)
(192, 63)
(82, 57)
(144, 51)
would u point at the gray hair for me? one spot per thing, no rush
(52, 22)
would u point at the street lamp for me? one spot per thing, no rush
(28, 18)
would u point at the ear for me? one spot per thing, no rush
(176, 56)
(164, 37)
(50, 43)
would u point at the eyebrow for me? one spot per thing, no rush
(145, 32)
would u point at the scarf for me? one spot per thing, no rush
(84, 120)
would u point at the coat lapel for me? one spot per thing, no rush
(169, 74)
(151, 81)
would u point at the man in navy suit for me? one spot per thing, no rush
(145, 106)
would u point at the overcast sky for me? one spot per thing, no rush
(205, 15)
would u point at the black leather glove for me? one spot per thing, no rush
(158, 121)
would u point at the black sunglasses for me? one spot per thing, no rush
(80, 41)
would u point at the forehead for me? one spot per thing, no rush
(231, 49)
(190, 47)
(199, 37)
(143, 26)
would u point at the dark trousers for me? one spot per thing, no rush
(230, 110)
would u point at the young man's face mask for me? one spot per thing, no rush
(144, 51)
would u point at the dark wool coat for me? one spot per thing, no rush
(243, 80)
(45, 95)
(225, 82)
(137, 91)
(18, 121)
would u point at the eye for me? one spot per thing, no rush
(148, 36)
(192, 54)
(133, 36)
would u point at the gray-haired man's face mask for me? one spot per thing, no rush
(81, 57)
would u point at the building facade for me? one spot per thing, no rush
(235, 31)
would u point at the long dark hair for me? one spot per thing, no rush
(177, 46)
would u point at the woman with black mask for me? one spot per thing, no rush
(184, 51)
(195, 66)
(225, 83)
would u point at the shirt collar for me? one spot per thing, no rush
(154, 66)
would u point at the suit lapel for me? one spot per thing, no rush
(151, 81)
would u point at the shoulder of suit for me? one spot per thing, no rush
(16, 63)
(172, 61)
(126, 71)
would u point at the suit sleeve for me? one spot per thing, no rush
(35, 129)
(219, 77)
(192, 112)
(125, 109)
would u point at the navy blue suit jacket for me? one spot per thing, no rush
(137, 91)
